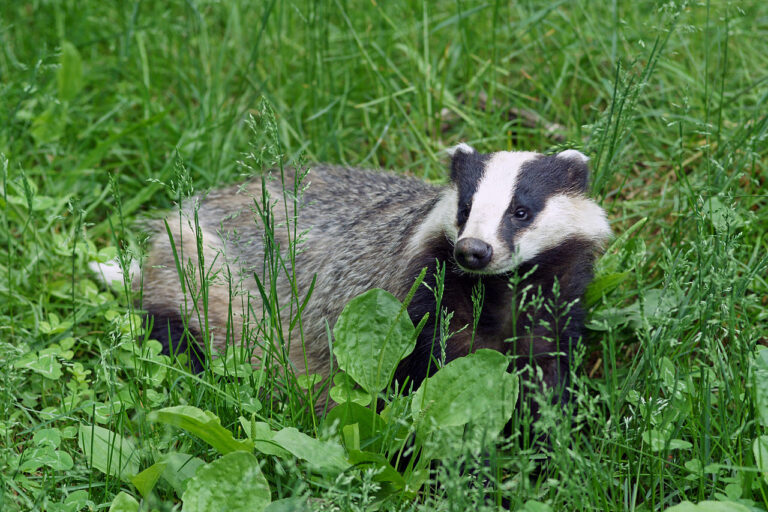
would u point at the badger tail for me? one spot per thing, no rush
(111, 271)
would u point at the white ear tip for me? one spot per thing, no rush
(461, 147)
(572, 154)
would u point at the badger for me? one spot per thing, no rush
(503, 214)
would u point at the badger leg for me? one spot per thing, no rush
(544, 365)
(186, 290)
(176, 337)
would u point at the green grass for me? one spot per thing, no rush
(668, 101)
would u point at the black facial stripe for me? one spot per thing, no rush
(509, 228)
(539, 179)
(466, 171)
(551, 175)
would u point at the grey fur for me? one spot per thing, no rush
(364, 229)
(356, 226)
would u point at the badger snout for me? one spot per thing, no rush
(472, 253)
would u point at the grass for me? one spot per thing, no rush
(102, 101)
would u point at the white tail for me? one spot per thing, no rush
(112, 271)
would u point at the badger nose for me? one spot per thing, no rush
(472, 253)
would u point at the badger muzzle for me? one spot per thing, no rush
(472, 253)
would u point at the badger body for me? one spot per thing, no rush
(502, 213)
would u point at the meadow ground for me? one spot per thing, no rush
(109, 110)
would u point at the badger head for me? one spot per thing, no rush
(510, 207)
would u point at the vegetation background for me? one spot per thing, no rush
(101, 102)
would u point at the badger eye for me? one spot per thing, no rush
(520, 214)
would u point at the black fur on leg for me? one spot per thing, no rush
(176, 338)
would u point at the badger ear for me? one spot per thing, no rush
(578, 170)
(460, 155)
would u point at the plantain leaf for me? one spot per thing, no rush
(473, 389)
(202, 424)
(70, 73)
(371, 426)
(108, 452)
(233, 483)
(760, 451)
(709, 506)
(179, 469)
(322, 456)
(147, 479)
(373, 333)
(760, 385)
(261, 434)
(344, 390)
(124, 502)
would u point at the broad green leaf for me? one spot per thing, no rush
(77, 500)
(124, 502)
(694, 466)
(232, 365)
(233, 483)
(350, 435)
(295, 504)
(535, 506)
(345, 390)
(54, 325)
(308, 381)
(733, 491)
(70, 73)
(712, 468)
(476, 388)
(709, 506)
(679, 444)
(246, 398)
(655, 439)
(373, 333)
(179, 469)
(202, 424)
(760, 450)
(371, 426)
(322, 456)
(47, 437)
(44, 363)
(102, 412)
(261, 434)
(760, 385)
(108, 452)
(63, 461)
(146, 480)
(69, 432)
(386, 472)
(45, 456)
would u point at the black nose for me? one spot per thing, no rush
(472, 253)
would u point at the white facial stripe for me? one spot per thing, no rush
(492, 197)
(441, 219)
(563, 217)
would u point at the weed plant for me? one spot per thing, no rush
(112, 110)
